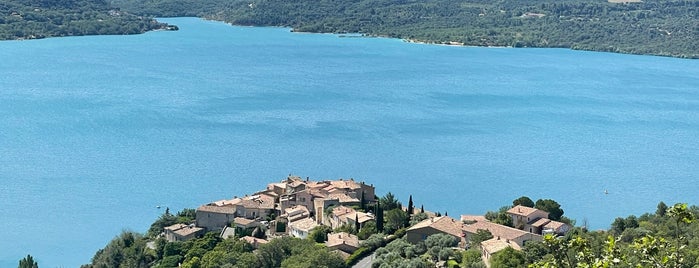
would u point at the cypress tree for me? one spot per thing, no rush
(379, 217)
(410, 205)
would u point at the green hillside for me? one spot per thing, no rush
(31, 19)
(657, 27)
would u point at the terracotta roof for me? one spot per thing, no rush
(183, 229)
(444, 224)
(554, 225)
(296, 213)
(242, 221)
(494, 245)
(224, 202)
(217, 209)
(342, 198)
(540, 222)
(346, 184)
(495, 229)
(258, 202)
(522, 210)
(297, 209)
(254, 240)
(175, 227)
(342, 210)
(364, 217)
(342, 238)
(306, 224)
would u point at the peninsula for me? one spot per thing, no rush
(35, 19)
(299, 222)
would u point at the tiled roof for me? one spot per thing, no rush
(522, 210)
(342, 238)
(258, 202)
(554, 225)
(540, 222)
(306, 224)
(342, 210)
(343, 198)
(242, 221)
(188, 230)
(444, 224)
(495, 229)
(346, 184)
(217, 209)
(254, 240)
(175, 227)
(494, 245)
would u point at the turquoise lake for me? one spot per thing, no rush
(95, 132)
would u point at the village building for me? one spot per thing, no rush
(254, 241)
(536, 221)
(182, 232)
(295, 213)
(343, 241)
(438, 225)
(494, 245)
(506, 233)
(213, 217)
(302, 228)
(343, 215)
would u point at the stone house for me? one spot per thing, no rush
(522, 217)
(182, 232)
(437, 225)
(505, 233)
(213, 217)
(536, 221)
(342, 241)
(302, 228)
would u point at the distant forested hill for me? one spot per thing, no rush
(29, 19)
(657, 27)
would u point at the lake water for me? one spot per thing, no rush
(95, 132)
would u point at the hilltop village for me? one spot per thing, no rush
(297, 207)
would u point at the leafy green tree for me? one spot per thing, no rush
(395, 219)
(320, 257)
(500, 216)
(416, 218)
(320, 233)
(471, 258)
(28, 262)
(480, 236)
(508, 258)
(550, 206)
(524, 201)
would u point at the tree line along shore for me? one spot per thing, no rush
(299, 222)
(664, 28)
